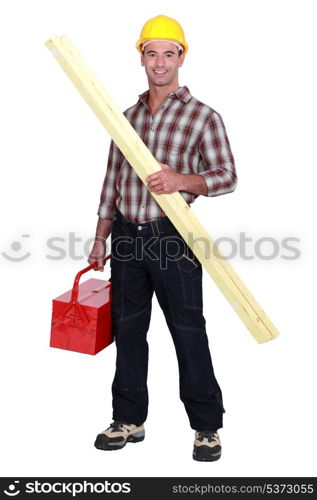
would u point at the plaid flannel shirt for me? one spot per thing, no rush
(185, 134)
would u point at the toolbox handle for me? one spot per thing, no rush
(74, 296)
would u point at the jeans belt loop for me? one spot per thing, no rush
(155, 226)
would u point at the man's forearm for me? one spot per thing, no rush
(193, 183)
(104, 227)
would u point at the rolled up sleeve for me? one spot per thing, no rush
(108, 194)
(217, 164)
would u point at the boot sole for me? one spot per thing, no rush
(205, 459)
(204, 455)
(101, 442)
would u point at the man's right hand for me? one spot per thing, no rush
(98, 253)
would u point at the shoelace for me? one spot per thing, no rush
(118, 426)
(210, 435)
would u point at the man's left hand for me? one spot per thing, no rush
(164, 182)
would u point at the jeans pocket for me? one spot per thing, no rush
(218, 396)
(187, 263)
(118, 229)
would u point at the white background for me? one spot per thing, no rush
(255, 63)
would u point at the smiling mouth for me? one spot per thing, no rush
(160, 73)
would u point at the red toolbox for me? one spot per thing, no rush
(81, 317)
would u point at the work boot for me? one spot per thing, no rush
(118, 435)
(207, 446)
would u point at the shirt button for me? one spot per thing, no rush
(139, 228)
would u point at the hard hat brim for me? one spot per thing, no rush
(139, 44)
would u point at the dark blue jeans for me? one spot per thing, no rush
(147, 258)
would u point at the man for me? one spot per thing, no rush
(148, 254)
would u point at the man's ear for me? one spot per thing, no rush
(181, 59)
(142, 60)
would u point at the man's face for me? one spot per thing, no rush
(161, 62)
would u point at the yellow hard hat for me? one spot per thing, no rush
(162, 28)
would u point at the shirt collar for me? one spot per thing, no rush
(182, 94)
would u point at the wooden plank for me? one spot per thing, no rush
(174, 205)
